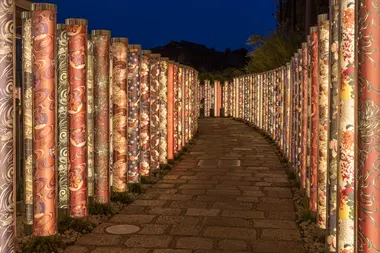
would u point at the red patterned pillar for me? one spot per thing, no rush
(101, 51)
(119, 100)
(170, 106)
(77, 109)
(144, 114)
(45, 196)
(369, 128)
(175, 109)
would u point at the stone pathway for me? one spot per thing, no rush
(229, 195)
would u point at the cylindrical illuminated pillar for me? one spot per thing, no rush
(368, 128)
(170, 106)
(183, 132)
(207, 98)
(77, 114)
(27, 83)
(119, 104)
(333, 130)
(304, 114)
(314, 118)
(309, 116)
(219, 98)
(324, 46)
(134, 59)
(90, 119)
(101, 51)
(144, 114)
(163, 110)
(154, 75)
(175, 108)
(180, 107)
(347, 129)
(7, 115)
(186, 103)
(44, 144)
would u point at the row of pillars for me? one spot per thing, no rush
(323, 111)
(98, 114)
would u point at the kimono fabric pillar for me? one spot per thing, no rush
(62, 127)
(144, 114)
(175, 108)
(324, 46)
(309, 116)
(207, 98)
(187, 101)
(333, 130)
(27, 83)
(304, 115)
(7, 156)
(77, 109)
(180, 107)
(119, 102)
(368, 128)
(347, 129)
(170, 129)
(101, 51)
(163, 98)
(44, 144)
(314, 118)
(154, 81)
(90, 119)
(134, 58)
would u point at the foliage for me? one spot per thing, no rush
(222, 76)
(121, 197)
(43, 244)
(135, 188)
(104, 209)
(81, 225)
(271, 52)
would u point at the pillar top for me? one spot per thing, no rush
(134, 46)
(61, 26)
(313, 29)
(304, 44)
(146, 51)
(322, 17)
(26, 14)
(155, 55)
(76, 21)
(164, 59)
(117, 39)
(44, 7)
(101, 32)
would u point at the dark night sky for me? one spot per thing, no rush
(215, 23)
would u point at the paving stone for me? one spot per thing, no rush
(164, 211)
(261, 246)
(192, 192)
(213, 198)
(224, 192)
(188, 204)
(235, 182)
(202, 212)
(277, 207)
(76, 249)
(230, 163)
(231, 233)
(141, 202)
(133, 209)
(226, 222)
(132, 218)
(282, 215)
(153, 229)
(232, 245)
(248, 199)
(172, 251)
(169, 176)
(182, 220)
(243, 214)
(194, 243)
(236, 205)
(149, 241)
(100, 229)
(99, 240)
(220, 251)
(275, 224)
(184, 230)
(175, 197)
(196, 186)
(203, 182)
(119, 250)
(281, 234)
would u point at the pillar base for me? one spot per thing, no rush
(62, 213)
(28, 228)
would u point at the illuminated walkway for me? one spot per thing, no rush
(230, 194)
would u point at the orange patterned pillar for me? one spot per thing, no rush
(44, 142)
(170, 110)
(77, 109)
